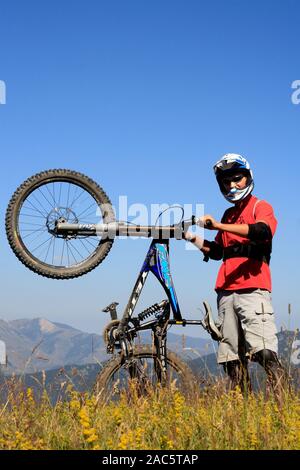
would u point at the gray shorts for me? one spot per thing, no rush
(246, 320)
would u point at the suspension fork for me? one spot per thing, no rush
(160, 345)
(160, 359)
(159, 329)
(160, 362)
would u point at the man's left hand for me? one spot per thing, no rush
(208, 222)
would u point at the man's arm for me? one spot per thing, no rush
(238, 229)
(259, 231)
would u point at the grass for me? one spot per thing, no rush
(164, 419)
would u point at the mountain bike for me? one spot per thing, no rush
(61, 224)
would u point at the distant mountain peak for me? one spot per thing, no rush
(46, 326)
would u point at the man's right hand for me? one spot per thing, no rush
(189, 237)
(195, 239)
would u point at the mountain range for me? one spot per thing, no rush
(39, 344)
(69, 355)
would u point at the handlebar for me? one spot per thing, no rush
(117, 229)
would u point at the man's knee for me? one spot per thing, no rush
(238, 374)
(266, 357)
(277, 374)
(231, 367)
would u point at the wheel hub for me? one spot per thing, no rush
(60, 215)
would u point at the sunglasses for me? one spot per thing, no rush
(232, 179)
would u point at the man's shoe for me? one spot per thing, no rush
(209, 325)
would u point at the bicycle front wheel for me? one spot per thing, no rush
(35, 208)
(142, 371)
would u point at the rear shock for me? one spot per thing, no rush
(154, 309)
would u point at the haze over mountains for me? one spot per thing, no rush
(39, 344)
(72, 356)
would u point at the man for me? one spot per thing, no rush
(245, 327)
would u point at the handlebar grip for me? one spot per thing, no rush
(197, 221)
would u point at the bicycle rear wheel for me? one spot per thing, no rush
(115, 378)
(35, 208)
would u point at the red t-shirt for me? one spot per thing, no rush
(245, 273)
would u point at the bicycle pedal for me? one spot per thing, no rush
(209, 325)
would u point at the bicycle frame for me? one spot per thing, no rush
(156, 262)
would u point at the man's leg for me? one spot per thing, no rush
(232, 350)
(277, 376)
(238, 375)
(256, 314)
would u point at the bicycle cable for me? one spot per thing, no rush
(162, 212)
(171, 207)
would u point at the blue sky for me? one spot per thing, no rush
(144, 97)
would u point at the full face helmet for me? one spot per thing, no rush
(229, 165)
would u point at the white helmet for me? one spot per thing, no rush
(230, 164)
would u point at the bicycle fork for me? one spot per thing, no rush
(142, 372)
(160, 345)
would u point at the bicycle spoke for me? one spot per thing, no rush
(46, 199)
(74, 248)
(51, 195)
(31, 223)
(45, 259)
(32, 232)
(41, 244)
(70, 250)
(53, 251)
(81, 241)
(68, 195)
(85, 210)
(53, 187)
(62, 255)
(37, 210)
(39, 202)
(89, 215)
(88, 197)
(31, 215)
(59, 198)
(88, 240)
(78, 197)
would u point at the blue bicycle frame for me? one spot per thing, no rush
(157, 262)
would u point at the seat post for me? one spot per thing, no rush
(112, 309)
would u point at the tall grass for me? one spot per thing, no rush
(163, 419)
